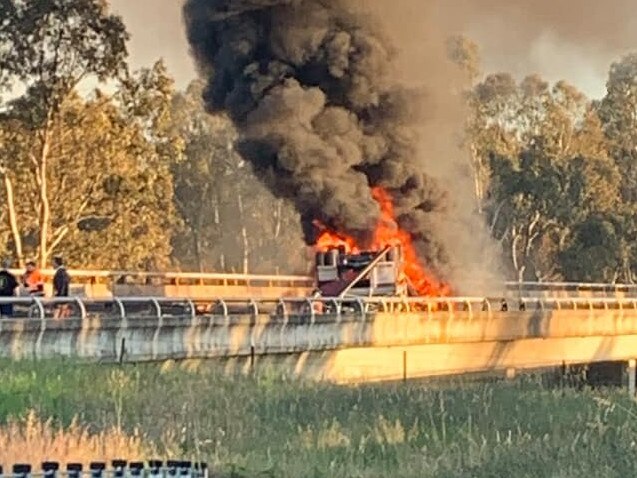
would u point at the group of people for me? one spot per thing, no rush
(32, 282)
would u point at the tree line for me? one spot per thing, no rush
(115, 169)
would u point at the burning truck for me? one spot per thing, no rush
(388, 266)
(368, 273)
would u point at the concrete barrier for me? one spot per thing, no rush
(349, 347)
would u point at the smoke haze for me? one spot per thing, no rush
(575, 40)
(335, 97)
(322, 124)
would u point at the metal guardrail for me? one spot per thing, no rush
(179, 278)
(571, 286)
(311, 308)
(118, 469)
(197, 278)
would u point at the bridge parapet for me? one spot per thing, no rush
(141, 329)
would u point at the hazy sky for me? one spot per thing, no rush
(517, 36)
(157, 32)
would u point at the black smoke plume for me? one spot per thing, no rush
(309, 85)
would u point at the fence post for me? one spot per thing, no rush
(50, 469)
(136, 469)
(118, 468)
(97, 469)
(74, 470)
(404, 366)
(155, 467)
(171, 466)
(185, 469)
(21, 470)
(201, 470)
(122, 350)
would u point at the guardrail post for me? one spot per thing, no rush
(40, 307)
(81, 306)
(632, 368)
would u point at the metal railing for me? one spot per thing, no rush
(310, 308)
(117, 469)
(199, 278)
(179, 278)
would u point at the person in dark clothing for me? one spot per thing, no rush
(61, 279)
(61, 284)
(8, 285)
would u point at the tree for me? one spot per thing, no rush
(111, 202)
(232, 222)
(49, 48)
(549, 167)
(595, 252)
(618, 112)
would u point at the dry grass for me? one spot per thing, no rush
(32, 440)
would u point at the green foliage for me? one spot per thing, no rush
(266, 424)
(232, 222)
(549, 175)
(108, 177)
(143, 177)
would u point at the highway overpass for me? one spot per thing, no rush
(345, 341)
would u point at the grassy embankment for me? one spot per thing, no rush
(267, 426)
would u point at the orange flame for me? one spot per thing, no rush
(388, 233)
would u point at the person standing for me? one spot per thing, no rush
(33, 280)
(61, 285)
(61, 279)
(8, 285)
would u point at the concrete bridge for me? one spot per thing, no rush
(345, 341)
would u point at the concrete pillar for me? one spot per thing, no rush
(632, 368)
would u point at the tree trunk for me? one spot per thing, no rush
(13, 220)
(278, 213)
(45, 208)
(197, 246)
(244, 234)
(477, 179)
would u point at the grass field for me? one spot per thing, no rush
(267, 426)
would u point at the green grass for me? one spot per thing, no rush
(268, 426)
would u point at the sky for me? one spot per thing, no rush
(518, 36)
(157, 31)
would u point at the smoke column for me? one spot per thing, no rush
(327, 109)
